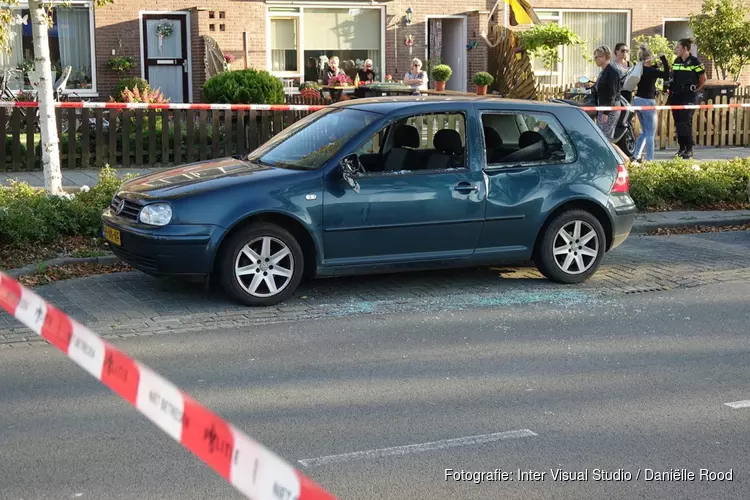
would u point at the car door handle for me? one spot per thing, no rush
(465, 186)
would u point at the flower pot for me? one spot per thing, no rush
(481, 89)
(440, 86)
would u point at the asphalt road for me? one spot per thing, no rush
(625, 384)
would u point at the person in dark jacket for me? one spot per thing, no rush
(688, 78)
(606, 91)
(645, 95)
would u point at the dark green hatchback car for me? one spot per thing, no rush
(381, 185)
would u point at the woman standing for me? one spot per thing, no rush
(623, 65)
(606, 91)
(645, 95)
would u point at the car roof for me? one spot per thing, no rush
(388, 104)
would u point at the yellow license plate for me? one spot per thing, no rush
(112, 235)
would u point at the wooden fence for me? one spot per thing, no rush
(164, 138)
(139, 138)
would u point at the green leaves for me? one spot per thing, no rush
(247, 86)
(29, 215)
(722, 32)
(690, 185)
(544, 40)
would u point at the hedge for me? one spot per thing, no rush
(689, 185)
(29, 216)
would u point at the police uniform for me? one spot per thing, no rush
(684, 90)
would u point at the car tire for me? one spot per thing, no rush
(250, 282)
(556, 253)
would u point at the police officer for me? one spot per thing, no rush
(688, 77)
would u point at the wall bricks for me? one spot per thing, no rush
(117, 28)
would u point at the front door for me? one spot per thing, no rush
(419, 200)
(165, 56)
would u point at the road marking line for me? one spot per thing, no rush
(739, 404)
(418, 448)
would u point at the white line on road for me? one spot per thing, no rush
(739, 404)
(418, 448)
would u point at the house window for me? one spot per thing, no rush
(596, 27)
(70, 44)
(301, 42)
(284, 42)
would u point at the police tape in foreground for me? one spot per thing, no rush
(246, 464)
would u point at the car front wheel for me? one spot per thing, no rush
(261, 265)
(572, 247)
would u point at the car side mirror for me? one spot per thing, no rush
(351, 168)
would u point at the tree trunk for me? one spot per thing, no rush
(50, 140)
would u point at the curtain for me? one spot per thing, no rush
(283, 44)
(74, 39)
(597, 28)
(342, 29)
(15, 58)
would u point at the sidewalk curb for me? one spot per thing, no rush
(646, 226)
(63, 261)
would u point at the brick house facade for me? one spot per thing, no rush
(281, 36)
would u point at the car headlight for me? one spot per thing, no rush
(156, 214)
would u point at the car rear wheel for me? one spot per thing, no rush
(572, 247)
(261, 265)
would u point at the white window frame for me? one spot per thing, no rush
(92, 92)
(464, 28)
(666, 20)
(551, 14)
(301, 31)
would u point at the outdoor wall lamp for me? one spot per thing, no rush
(407, 17)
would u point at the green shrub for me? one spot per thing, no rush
(29, 215)
(690, 185)
(483, 78)
(441, 73)
(246, 86)
(130, 83)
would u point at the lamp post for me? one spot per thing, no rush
(407, 17)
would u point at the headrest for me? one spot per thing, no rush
(448, 141)
(528, 138)
(492, 138)
(407, 136)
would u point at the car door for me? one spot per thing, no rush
(521, 175)
(417, 200)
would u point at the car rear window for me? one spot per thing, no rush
(525, 137)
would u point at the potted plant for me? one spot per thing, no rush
(441, 74)
(482, 80)
(309, 89)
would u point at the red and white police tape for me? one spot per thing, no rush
(311, 107)
(197, 106)
(251, 468)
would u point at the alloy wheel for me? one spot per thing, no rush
(264, 267)
(576, 247)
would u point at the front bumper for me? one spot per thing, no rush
(623, 210)
(169, 250)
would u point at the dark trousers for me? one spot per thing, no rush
(683, 120)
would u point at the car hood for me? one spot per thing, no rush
(199, 177)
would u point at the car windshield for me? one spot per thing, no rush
(312, 141)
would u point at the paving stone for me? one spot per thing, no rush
(165, 306)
